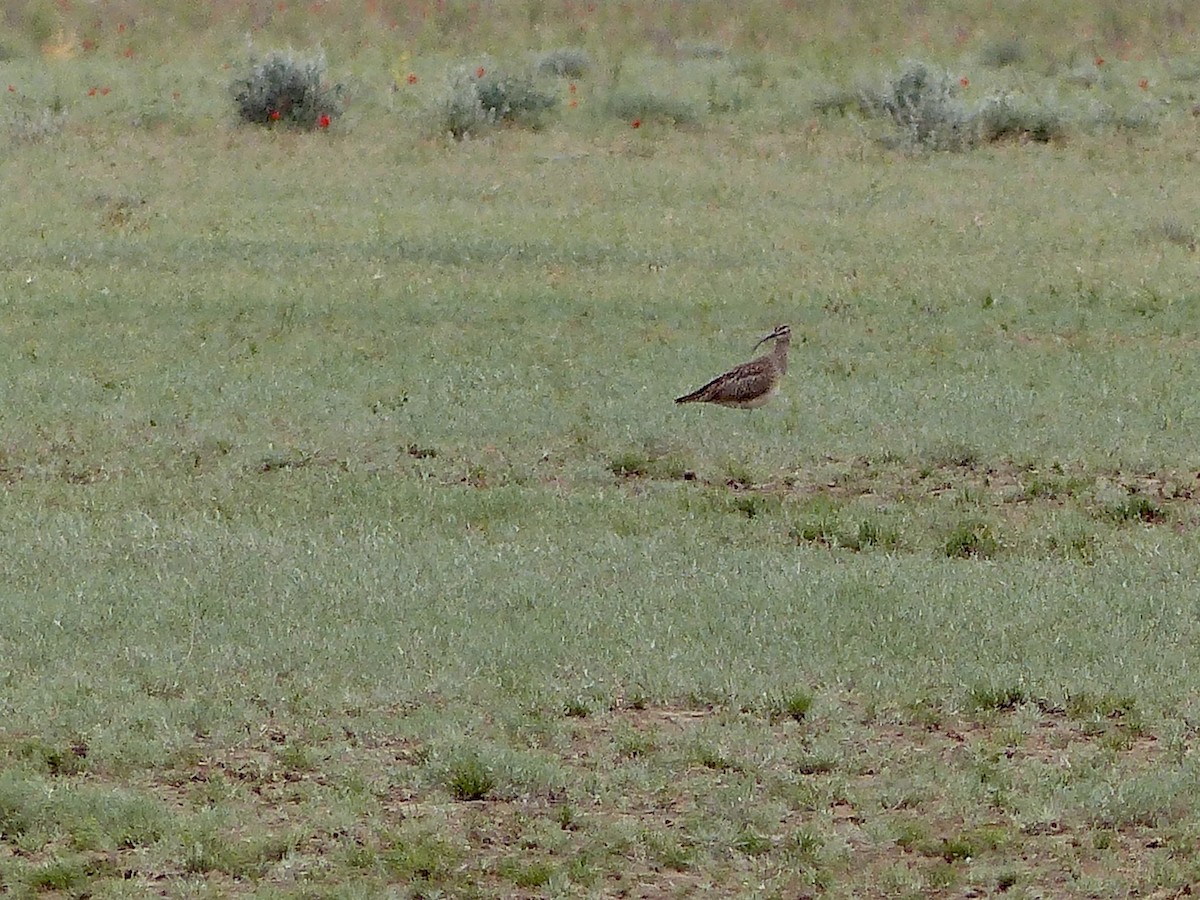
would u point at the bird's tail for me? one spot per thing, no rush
(693, 397)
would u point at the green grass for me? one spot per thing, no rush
(354, 542)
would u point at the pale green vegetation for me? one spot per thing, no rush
(354, 547)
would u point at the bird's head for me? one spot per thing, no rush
(781, 331)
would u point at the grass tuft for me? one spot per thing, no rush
(792, 704)
(65, 876)
(21, 805)
(468, 778)
(988, 698)
(526, 875)
(1135, 508)
(415, 853)
(971, 539)
(54, 760)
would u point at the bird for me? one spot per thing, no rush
(751, 384)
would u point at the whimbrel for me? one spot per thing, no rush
(751, 384)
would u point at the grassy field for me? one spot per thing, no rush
(353, 545)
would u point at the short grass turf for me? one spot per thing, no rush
(354, 546)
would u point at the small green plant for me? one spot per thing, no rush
(62, 875)
(415, 854)
(296, 757)
(751, 505)
(629, 464)
(631, 743)
(792, 704)
(21, 805)
(566, 816)
(670, 852)
(1135, 508)
(134, 820)
(1074, 543)
(751, 843)
(55, 760)
(971, 539)
(1114, 719)
(577, 708)
(1006, 880)
(206, 850)
(955, 848)
(710, 757)
(287, 89)
(525, 875)
(986, 698)
(870, 534)
(913, 836)
(952, 455)
(565, 62)
(470, 778)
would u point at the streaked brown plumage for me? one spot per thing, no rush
(751, 384)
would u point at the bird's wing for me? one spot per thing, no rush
(747, 380)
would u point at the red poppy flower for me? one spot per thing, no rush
(11, 89)
(571, 88)
(636, 123)
(1099, 60)
(412, 78)
(105, 91)
(1144, 84)
(480, 72)
(323, 122)
(91, 92)
(129, 53)
(965, 81)
(121, 28)
(274, 115)
(573, 104)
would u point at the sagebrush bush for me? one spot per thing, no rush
(511, 98)
(565, 62)
(924, 102)
(31, 126)
(288, 89)
(480, 98)
(460, 112)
